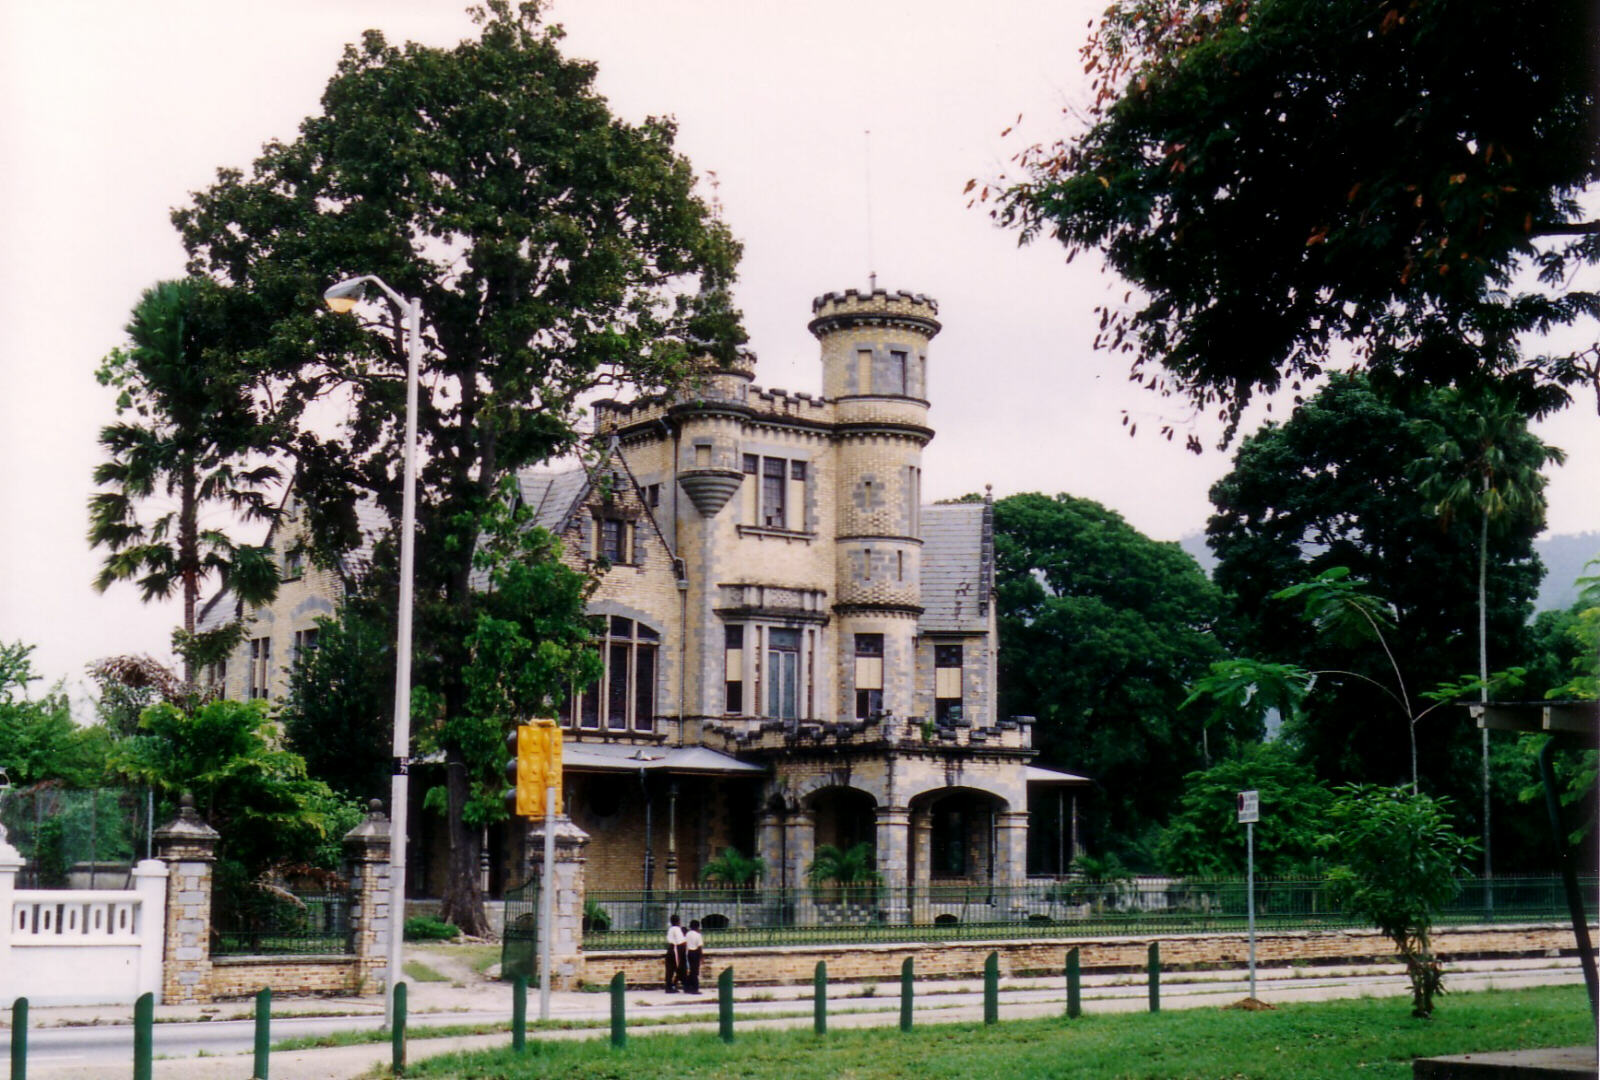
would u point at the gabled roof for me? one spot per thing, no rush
(957, 567)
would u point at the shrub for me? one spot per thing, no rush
(430, 928)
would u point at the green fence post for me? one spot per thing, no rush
(619, 1011)
(725, 1005)
(519, 1012)
(397, 1037)
(991, 989)
(907, 976)
(1155, 976)
(1074, 989)
(19, 1039)
(144, 1023)
(819, 999)
(263, 1033)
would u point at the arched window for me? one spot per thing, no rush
(624, 699)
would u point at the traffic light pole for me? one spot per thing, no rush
(547, 900)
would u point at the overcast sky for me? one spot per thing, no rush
(112, 113)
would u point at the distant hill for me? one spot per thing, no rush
(1563, 555)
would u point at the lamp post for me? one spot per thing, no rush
(342, 298)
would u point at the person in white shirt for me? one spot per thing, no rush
(675, 956)
(694, 951)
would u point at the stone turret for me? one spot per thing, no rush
(875, 367)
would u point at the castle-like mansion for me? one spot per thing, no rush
(797, 650)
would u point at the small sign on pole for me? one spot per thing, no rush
(1249, 807)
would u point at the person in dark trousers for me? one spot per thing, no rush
(694, 952)
(675, 957)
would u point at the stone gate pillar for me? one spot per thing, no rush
(366, 856)
(567, 881)
(10, 864)
(189, 847)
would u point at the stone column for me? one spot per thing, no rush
(769, 846)
(801, 842)
(1011, 856)
(894, 859)
(188, 846)
(366, 856)
(922, 847)
(566, 941)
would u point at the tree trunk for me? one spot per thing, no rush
(188, 560)
(462, 903)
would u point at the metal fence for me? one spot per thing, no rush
(77, 839)
(1055, 908)
(519, 941)
(266, 921)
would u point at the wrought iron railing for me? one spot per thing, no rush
(277, 922)
(1053, 908)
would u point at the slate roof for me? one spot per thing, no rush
(552, 495)
(957, 567)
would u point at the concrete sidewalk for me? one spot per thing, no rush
(850, 1005)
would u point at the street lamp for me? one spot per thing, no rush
(342, 298)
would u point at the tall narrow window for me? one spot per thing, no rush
(260, 666)
(774, 493)
(733, 669)
(614, 540)
(897, 372)
(783, 674)
(869, 675)
(305, 643)
(863, 371)
(947, 683)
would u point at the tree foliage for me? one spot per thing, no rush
(553, 249)
(734, 867)
(38, 740)
(1275, 177)
(245, 785)
(181, 449)
(340, 712)
(1398, 858)
(1329, 488)
(1101, 631)
(1204, 836)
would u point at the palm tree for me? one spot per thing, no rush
(182, 445)
(854, 869)
(733, 867)
(1483, 459)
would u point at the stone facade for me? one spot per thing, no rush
(798, 650)
(188, 846)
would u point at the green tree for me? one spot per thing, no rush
(245, 785)
(734, 867)
(853, 870)
(1278, 177)
(553, 248)
(1204, 837)
(38, 740)
(1398, 857)
(340, 712)
(1329, 488)
(1485, 463)
(1101, 631)
(182, 448)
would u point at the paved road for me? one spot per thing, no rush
(213, 1048)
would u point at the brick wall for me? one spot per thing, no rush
(242, 976)
(796, 964)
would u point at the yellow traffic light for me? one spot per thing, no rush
(537, 764)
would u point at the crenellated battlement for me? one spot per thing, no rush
(834, 311)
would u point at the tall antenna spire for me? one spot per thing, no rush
(872, 268)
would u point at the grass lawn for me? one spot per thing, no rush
(1373, 1037)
